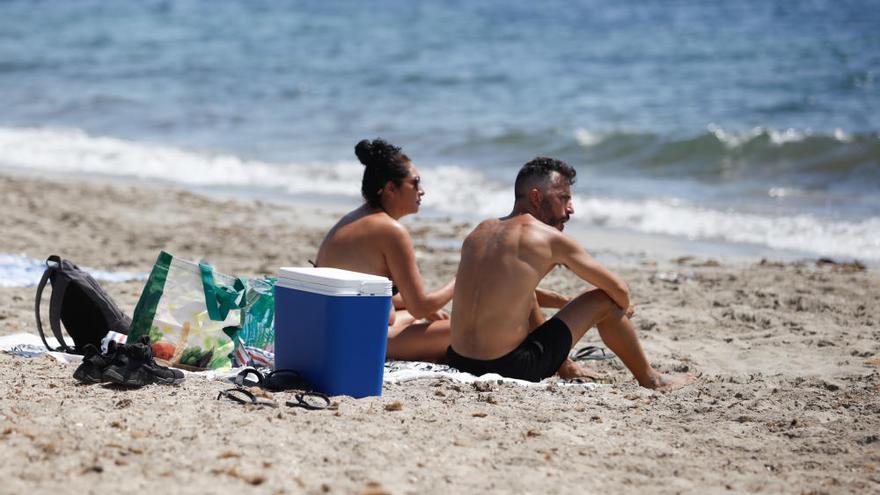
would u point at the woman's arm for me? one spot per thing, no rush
(400, 257)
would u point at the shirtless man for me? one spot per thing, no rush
(497, 326)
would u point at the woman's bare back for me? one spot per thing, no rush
(356, 243)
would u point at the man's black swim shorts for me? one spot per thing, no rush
(539, 356)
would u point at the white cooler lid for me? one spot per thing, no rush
(333, 281)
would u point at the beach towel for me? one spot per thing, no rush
(191, 312)
(407, 371)
(396, 372)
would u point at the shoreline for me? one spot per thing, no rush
(787, 354)
(613, 246)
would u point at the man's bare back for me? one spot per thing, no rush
(502, 262)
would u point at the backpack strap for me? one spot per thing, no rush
(46, 274)
(59, 285)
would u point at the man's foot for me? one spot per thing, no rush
(571, 370)
(664, 383)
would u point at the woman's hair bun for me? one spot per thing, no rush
(376, 152)
(363, 150)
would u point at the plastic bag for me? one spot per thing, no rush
(191, 313)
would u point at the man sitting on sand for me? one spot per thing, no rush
(497, 326)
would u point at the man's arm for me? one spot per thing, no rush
(550, 299)
(536, 316)
(571, 254)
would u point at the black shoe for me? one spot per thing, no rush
(140, 368)
(94, 363)
(117, 362)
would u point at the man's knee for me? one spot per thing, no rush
(602, 303)
(588, 309)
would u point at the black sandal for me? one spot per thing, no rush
(592, 353)
(277, 381)
(310, 400)
(286, 379)
(245, 396)
(242, 381)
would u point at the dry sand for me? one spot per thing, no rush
(788, 399)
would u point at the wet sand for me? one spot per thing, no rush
(787, 353)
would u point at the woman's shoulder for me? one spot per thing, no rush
(387, 228)
(369, 224)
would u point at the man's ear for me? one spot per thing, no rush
(535, 196)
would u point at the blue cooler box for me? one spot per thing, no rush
(331, 325)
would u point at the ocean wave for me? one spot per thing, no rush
(587, 138)
(774, 137)
(468, 193)
(452, 189)
(675, 217)
(792, 156)
(75, 152)
(800, 158)
(801, 233)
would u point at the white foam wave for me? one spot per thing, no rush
(842, 136)
(452, 190)
(466, 192)
(587, 138)
(469, 193)
(802, 233)
(73, 151)
(733, 139)
(778, 137)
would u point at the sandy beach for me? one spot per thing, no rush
(788, 397)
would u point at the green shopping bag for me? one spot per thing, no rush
(191, 313)
(258, 314)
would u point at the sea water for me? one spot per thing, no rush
(753, 125)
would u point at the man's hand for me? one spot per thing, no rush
(630, 311)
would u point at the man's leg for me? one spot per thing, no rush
(569, 369)
(596, 308)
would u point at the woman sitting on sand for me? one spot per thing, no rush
(371, 240)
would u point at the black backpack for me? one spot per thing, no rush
(81, 304)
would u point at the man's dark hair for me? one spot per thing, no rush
(382, 162)
(541, 168)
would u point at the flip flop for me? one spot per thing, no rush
(591, 353)
(285, 379)
(310, 400)
(276, 380)
(245, 396)
(241, 379)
